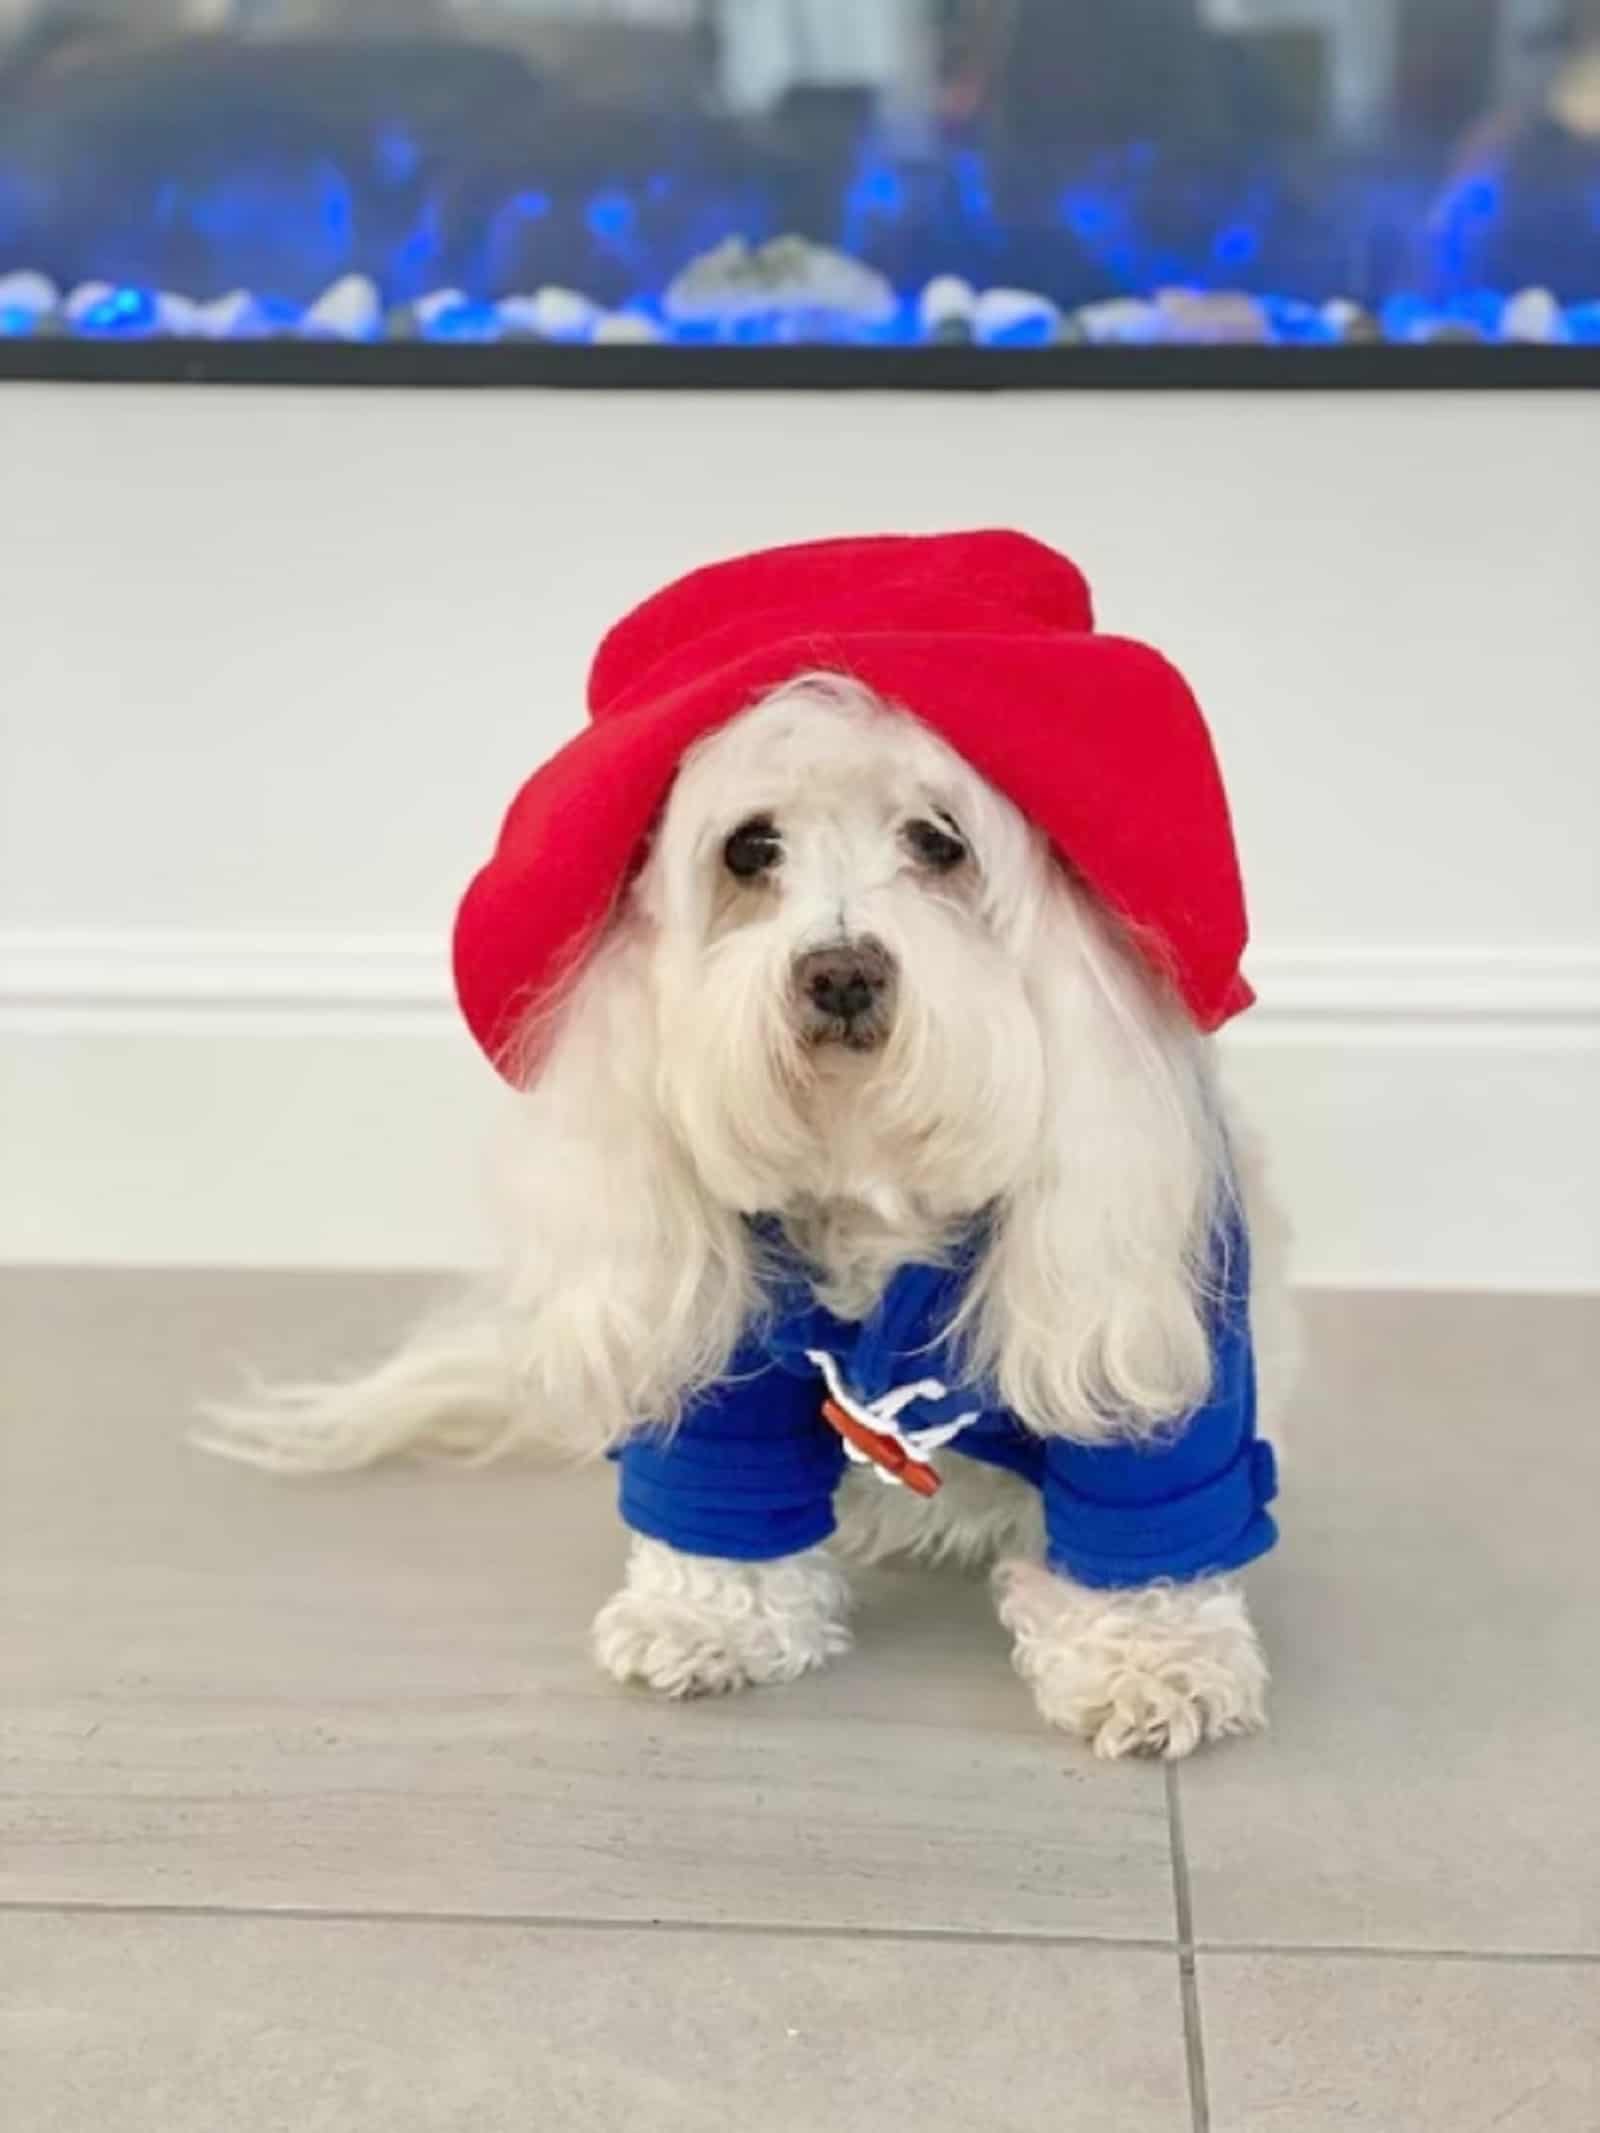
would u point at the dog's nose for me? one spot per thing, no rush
(844, 983)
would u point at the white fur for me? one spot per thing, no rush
(693, 1625)
(980, 1514)
(1153, 1672)
(1032, 1067)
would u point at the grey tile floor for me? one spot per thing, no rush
(316, 1816)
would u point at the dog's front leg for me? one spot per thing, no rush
(1148, 1670)
(699, 1625)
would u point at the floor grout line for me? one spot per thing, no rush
(1343, 1950)
(1182, 1944)
(1194, 2050)
(556, 1921)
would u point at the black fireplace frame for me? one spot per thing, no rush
(1442, 366)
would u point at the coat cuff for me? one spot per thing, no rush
(1218, 1526)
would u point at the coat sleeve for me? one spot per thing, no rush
(1192, 1501)
(748, 1473)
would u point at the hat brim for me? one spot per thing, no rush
(1096, 739)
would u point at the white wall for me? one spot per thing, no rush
(274, 664)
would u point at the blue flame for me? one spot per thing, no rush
(1462, 220)
(973, 190)
(465, 322)
(613, 220)
(874, 200)
(1239, 245)
(507, 233)
(1119, 222)
(336, 207)
(414, 258)
(396, 155)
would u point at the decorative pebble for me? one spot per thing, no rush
(1448, 330)
(177, 316)
(712, 287)
(234, 317)
(946, 301)
(466, 322)
(628, 329)
(1012, 315)
(1121, 321)
(516, 314)
(791, 290)
(519, 315)
(1211, 318)
(550, 314)
(351, 310)
(1351, 322)
(565, 315)
(28, 296)
(86, 297)
(790, 278)
(1530, 315)
(121, 313)
(433, 320)
(1295, 323)
(427, 308)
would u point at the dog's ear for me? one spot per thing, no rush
(627, 1284)
(1088, 1308)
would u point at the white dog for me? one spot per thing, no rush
(853, 992)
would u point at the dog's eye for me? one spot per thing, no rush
(754, 849)
(934, 845)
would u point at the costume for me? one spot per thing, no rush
(750, 1470)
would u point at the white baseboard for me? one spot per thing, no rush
(217, 1099)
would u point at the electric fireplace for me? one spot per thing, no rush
(846, 192)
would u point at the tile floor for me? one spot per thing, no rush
(317, 1818)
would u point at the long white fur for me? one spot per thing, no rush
(1033, 1067)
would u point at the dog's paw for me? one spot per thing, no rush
(1159, 1670)
(689, 1625)
(675, 1652)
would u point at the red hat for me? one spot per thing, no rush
(988, 638)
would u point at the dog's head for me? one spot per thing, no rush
(841, 916)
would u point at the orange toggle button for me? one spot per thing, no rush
(887, 1452)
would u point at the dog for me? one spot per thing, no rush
(851, 1003)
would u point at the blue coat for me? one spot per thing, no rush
(751, 1468)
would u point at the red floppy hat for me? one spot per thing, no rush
(988, 638)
